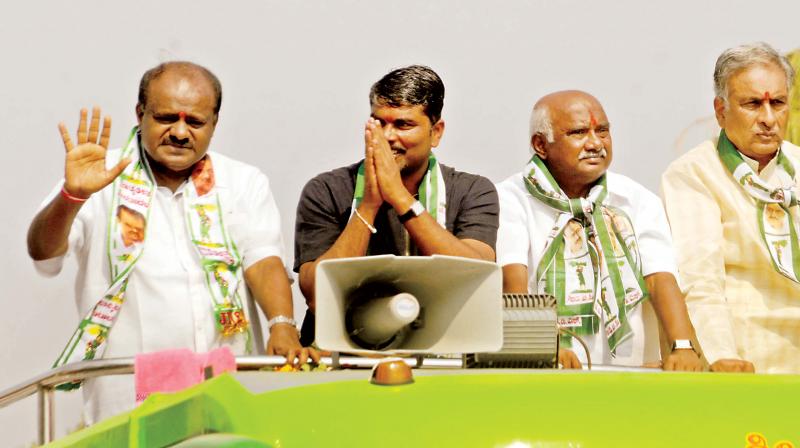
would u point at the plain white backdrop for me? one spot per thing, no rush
(295, 78)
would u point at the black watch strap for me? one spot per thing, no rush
(415, 210)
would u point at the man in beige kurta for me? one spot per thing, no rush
(744, 303)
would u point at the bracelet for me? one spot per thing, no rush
(371, 228)
(281, 319)
(65, 194)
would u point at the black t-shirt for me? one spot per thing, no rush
(325, 206)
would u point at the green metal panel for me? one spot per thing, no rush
(558, 409)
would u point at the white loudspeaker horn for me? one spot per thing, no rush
(390, 304)
(379, 322)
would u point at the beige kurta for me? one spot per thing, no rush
(741, 307)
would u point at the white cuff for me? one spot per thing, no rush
(50, 267)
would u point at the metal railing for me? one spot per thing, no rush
(44, 384)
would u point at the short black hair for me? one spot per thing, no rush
(186, 67)
(411, 86)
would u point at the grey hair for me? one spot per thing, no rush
(737, 58)
(541, 123)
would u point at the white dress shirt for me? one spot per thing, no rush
(525, 224)
(167, 304)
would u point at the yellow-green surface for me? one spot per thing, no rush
(492, 410)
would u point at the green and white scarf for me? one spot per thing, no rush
(132, 193)
(591, 260)
(432, 193)
(775, 221)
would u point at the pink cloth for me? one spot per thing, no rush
(175, 370)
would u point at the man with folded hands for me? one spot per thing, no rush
(399, 199)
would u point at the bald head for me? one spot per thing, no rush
(571, 134)
(542, 114)
(185, 69)
(564, 98)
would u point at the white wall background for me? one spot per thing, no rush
(295, 77)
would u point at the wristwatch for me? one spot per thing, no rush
(280, 319)
(415, 210)
(682, 344)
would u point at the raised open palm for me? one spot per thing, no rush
(85, 168)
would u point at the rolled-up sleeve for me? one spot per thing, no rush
(262, 237)
(317, 225)
(655, 241)
(477, 217)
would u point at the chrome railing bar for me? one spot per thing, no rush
(66, 373)
(119, 366)
(44, 383)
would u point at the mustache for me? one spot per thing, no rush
(584, 154)
(178, 143)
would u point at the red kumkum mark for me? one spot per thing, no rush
(182, 115)
(766, 97)
(592, 120)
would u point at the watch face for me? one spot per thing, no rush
(417, 208)
(683, 344)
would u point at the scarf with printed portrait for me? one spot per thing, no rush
(590, 260)
(132, 195)
(775, 223)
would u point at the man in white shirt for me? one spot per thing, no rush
(171, 239)
(603, 277)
